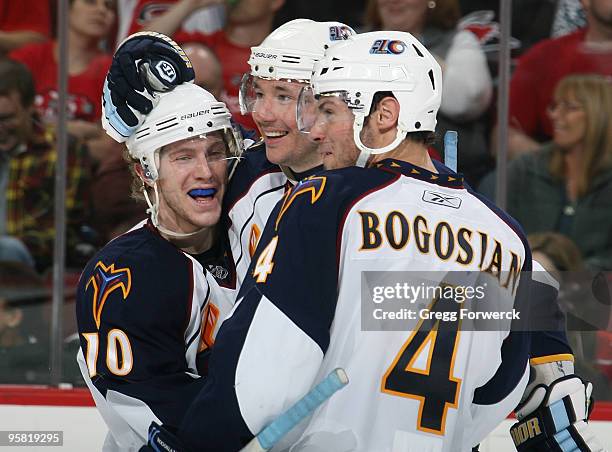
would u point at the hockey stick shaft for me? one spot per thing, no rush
(272, 434)
(450, 149)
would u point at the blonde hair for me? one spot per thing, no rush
(445, 15)
(594, 93)
(138, 186)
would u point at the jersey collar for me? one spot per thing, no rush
(445, 177)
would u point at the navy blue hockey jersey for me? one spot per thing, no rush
(145, 318)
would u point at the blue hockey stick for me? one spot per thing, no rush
(273, 433)
(450, 149)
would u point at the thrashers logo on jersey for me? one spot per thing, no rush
(313, 185)
(104, 281)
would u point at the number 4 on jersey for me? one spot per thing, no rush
(433, 385)
(265, 264)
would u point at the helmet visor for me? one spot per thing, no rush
(265, 95)
(322, 110)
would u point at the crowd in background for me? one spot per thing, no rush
(560, 138)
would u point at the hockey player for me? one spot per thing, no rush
(280, 67)
(141, 299)
(336, 124)
(435, 387)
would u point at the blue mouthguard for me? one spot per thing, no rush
(202, 192)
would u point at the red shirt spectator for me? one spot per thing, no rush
(23, 22)
(538, 72)
(204, 20)
(31, 15)
(248, 23)
(84, 89)
(235, 63)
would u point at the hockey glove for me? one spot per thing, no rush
(554, 418)
(161, 440)
(144, 63)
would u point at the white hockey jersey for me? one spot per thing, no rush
(255, 188)
(435, 387)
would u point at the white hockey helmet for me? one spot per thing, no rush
(185, 112)
(380, 61)
(290, 52)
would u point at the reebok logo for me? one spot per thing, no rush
(440, 199)
(166, 71)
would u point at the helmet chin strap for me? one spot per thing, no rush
(153, 211)
(366, 152)
(289, 173)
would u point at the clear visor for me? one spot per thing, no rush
(321, 110)
(214, 148)
(261, 95)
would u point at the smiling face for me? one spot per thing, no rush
(568, 117)
(274, 108)
(191, 184)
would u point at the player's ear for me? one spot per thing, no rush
(141, 174)
(387, 114)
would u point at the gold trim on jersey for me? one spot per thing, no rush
(551, 359)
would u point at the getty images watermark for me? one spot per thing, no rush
(483, 301)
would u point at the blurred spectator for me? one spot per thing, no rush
(23, 22)
(566, 186)
(207, 68)
(134, 15)
(27, 172)
(25, 329)
(248, 23)
(546, 18)
(24, 356)
(113, 210)
(89, 24)
(561, 258)
(467, 86)
(587, 50)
